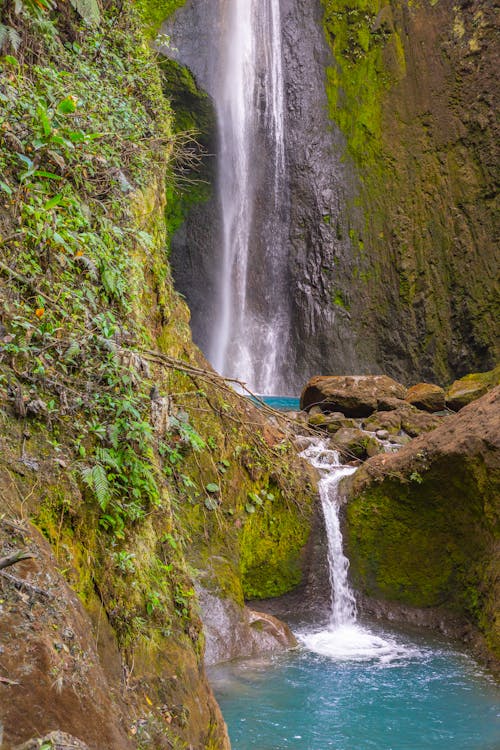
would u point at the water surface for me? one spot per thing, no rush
(360, 689)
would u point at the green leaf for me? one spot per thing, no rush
(44, 119)
(53, 202)
(10, 60)
(250, 508)
(212, 487)
(67, 105)
(49, 175)
(6, 188)
(211, 503)
(26, 160)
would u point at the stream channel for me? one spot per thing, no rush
(353, 684)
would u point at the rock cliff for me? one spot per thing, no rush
(391, 143)
(130, 474)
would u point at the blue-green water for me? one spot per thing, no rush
(409, 694)
(281, 403)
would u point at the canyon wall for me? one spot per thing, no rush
(390, 146)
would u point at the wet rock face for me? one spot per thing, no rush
(234, 631)
(379, 277)
(416, 101)
(321, 257)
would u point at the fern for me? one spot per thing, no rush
(95, 477)
(9, 38)
(88, 10)
(108, 458)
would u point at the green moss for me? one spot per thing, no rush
(359, 78)
(426, 542)
(154, 13)
(339, 300)
(271, 547)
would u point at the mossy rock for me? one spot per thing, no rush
(471, 387)
(426, 396)
(354, 443)
(423, 524)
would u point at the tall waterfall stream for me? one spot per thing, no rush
(250, 331)
(354, 685)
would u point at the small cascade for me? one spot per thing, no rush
(343, 637)
(327, 462)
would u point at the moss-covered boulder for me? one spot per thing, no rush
(423, 524)
(473, 386)
(330, 422)
(426, 396)
(353, 443)
(407, 418)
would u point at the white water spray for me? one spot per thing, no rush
(251, 327)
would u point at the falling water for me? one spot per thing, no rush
(343, 637)
(251, 325)
(343, 610)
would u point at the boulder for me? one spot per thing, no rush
(354, 443)
(473, 386)
(353, 395)
(422, 524)
(426, 396)
(407, 418)
(384, 420)
(415, 422)
(234, 631)
(330, 422)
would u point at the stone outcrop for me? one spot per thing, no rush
(391, 152)
(422, 525)
(426, 396)
(234, 631)
(353, 395)
(472, 386)
(413, 89)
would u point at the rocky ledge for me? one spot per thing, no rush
(423, 524)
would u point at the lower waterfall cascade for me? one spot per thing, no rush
(354, 684)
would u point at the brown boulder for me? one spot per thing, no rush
(353, 395)
(426, 396)
(384, 420)
(415, 422)
(473, 386)
(406, 417)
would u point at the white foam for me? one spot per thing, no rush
(352, 642)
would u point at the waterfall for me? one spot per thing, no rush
(251, 321)
(343, 609)
(343, 637)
